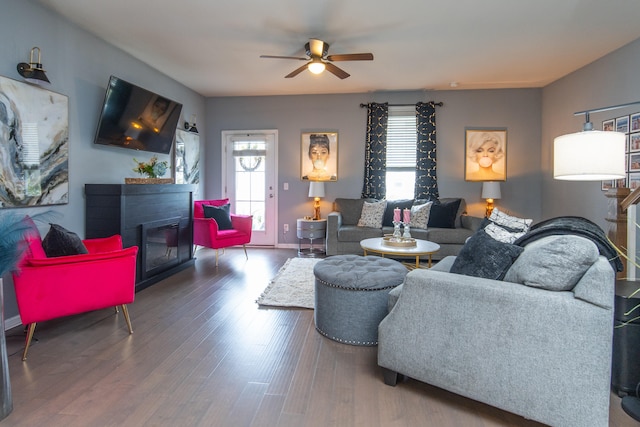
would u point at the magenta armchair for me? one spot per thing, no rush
(48, 288)
(206, 232)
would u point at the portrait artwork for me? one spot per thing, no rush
(34, 145)
(319, 156)
(485, 155)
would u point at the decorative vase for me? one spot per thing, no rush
(6, 401)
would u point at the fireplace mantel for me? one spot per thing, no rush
(136, 211)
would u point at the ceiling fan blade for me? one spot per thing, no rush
(296, 72)
(284, 57)
(351, 57)
(317, 48)
(336, 71)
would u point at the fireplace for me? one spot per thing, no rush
(159, 249)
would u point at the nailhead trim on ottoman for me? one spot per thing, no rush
(351, 293)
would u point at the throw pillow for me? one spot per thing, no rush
(61, 242)
(220, 214)
(387, 219)
(502, 234)
(484, 256)
(555, 263)
(512, 222)
(420, 215)
(372, 213)
(443, 215)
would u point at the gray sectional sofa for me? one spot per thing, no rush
(536, 343)
(344, 236)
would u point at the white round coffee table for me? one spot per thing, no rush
(422, 248)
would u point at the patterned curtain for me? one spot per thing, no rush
(426, 177)
(375, 157)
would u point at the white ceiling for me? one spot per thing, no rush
(214, 46)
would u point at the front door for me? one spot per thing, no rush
(249, 180)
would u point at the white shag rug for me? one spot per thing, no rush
(293, 286)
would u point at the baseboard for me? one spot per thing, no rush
(12, 322)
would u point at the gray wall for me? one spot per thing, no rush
(79, 66)
(611, 80)
(517, 110)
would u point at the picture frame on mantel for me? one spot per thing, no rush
(34, 140)
(485, 154)
(319, 156)
(187, 158)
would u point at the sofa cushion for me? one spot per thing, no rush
(220, 214)
(555, 263)
(420, 215)
(372, 213)
(483, 256)
(61, 242)
(443, 214)
(353, 233)
(387, 219)
(350, 209)
(510, 222)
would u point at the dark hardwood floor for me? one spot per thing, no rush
(204, 354)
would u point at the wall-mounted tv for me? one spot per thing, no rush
(135, 118)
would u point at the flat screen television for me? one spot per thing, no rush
(135, 118)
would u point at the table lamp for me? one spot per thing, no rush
(490, 192)
(316, 190)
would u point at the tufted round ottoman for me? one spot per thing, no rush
(351, 293)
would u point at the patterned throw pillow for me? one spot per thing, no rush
(508, 221)
(501, 234)
(420, 215)
(372, 213)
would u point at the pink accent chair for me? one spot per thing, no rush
(207, 234)
(48, 288)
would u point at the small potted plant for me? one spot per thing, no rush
(153, 170)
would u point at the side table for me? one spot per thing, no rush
(311, 229)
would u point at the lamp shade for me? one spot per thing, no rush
(491, 190)
(589, 156)
(316, 189)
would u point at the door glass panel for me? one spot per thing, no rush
(250, 191)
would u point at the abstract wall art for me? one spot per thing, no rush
(34, 145)
(187, 162)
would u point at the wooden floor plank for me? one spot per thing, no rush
(203, 353)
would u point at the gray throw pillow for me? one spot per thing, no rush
(483, 256)
(555, 263)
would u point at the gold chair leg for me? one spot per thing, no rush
(245, 251)
(216, 257)
(30, 330)
(125, 312)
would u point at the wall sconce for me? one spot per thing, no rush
(490, 192)
(33, 71)
(590, 155)
(316, 190)
(191, 127)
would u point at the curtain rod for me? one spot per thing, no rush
(439, 104)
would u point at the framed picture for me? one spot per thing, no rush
(620, 183)
(608, 125)
(187, 157)
(634, 142)
(34, 145)
(622, 124)
(157, 112)
(635, 122)
(634, 162)
(634, 180)
(485, 154)
(319, 156)
(606, 185)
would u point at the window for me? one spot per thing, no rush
(401, 152)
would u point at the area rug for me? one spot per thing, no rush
(293, 286)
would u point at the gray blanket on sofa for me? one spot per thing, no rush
(578, 226)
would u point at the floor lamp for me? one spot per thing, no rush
(593, 155)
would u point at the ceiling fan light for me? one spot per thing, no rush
(316, 67)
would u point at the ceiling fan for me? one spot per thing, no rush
(318, 60)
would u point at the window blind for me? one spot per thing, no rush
(401, 137)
